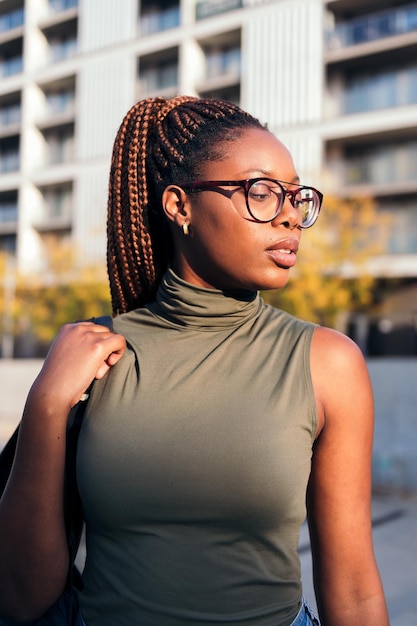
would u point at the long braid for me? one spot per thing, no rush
(159, 142)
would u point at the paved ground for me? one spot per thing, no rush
(395, 540)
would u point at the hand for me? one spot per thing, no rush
(80, 353)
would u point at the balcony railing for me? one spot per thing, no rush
(59, 103)
(11, 20)
(9, 162)
(383, 166)
(62, 49)
(8, 212)
(10, 115)
(8, 244)
(158, 78)
(380, 91)
(158, 21)
(11, 66)
(56, 6)
(60, 149)
(57, 206)
(369, 28)
(223, 62)
(208, 8)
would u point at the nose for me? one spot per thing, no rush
(289, 216)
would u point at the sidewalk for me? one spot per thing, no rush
(395, 540)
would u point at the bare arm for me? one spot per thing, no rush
(33, 549)
(346, 577)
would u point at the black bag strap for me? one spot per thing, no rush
(73, 515)
(72, 502)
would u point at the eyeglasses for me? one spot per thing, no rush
(265, 197)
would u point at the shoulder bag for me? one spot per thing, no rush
(65, 610)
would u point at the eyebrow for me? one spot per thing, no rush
(294, 181)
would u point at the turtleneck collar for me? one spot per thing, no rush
(185, 304)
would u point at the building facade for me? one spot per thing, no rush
(335, 79)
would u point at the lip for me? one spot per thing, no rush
(284, 252)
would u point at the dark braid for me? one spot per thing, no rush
(159, 142)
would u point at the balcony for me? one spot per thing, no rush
(371, 92)
(209, 8)
(382, 165)
(9, 155)
(11, 66)
(62, 48)
(368, 28)
(223, 62)
(162, 78)
(58, 6)
(8, 211)
(56, 213)
(158, 73)
(59, 145)
(154, 20)
(8, 244)
(60, 103)
(10, 114)
(61, 37)
(402, 217)
(11, 20)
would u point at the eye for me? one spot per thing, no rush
(262, 191)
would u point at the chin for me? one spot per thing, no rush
(275, 282)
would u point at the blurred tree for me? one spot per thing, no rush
(333, 274)
(43, 302)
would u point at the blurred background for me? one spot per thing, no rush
(336, 81)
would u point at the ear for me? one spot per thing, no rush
(176, 205)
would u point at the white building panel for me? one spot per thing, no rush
(105, 91)
(90, 212)
(283, 83)
(106, 22)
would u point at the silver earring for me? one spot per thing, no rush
(185, 229)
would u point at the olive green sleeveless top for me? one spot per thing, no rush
(193, 463)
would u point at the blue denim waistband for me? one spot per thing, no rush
(306, 616)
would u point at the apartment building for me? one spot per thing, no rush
(369, 139)
(335, 79)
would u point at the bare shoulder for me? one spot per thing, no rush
(339, 374)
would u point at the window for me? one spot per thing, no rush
(159, 16)
(63, 47)
(8, 207)
(370, 92)
(12, 19)
(158, 72)
(382, 164)
(60, 144)
(62, 5)
(9, 154)
(374, 26)
(62, 39)
(60, 101)
(224, 60)
(58, 202)
(10, 112)
(8, 244)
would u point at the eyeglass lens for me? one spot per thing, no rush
(265, 200)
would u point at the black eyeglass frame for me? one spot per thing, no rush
(246, 184)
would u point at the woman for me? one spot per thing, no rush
(221, 418)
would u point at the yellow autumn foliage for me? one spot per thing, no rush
(333, 275)
(43, 302)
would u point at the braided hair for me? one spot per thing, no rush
(158, 143)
